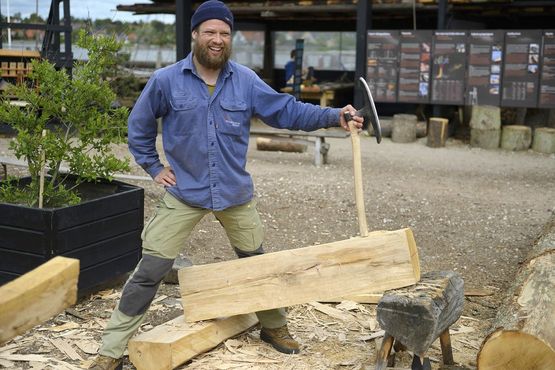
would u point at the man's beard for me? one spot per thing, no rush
(203, 56)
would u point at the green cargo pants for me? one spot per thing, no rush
(163, 238)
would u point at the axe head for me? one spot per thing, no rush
(368, 112)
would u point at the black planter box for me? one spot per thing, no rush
(104, 233)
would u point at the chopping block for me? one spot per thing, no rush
(414, 317)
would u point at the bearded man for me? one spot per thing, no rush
(206, 102)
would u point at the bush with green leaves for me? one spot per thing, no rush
(80, 120)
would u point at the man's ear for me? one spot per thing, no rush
(195, 34)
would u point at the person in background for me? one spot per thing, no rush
(290, 69)
(206, 102)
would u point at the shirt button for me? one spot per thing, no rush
(213, 164)
(210, 122)
(212, 143)
(213, 185)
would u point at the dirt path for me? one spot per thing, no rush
(473, 211)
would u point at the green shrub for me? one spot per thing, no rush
(80, 121)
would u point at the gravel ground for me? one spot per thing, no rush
(471, 210)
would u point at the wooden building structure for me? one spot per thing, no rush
(355, 15)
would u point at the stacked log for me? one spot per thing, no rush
(437, 134)
(485, 127)
(516, 137)
(544, 140)
(524, 338)
(404, 128)
(385, 124)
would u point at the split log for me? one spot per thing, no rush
(37, 296)
(437, 134)
(525, 323)
(485, 117)
(404, 128)
(175, 342)
(380, 261)
(516, 137)
(544, 140)
(418, 315)
(281, 144)
(485, 139)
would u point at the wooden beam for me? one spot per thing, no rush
(175, 342)
(383, 260)
(37, 296)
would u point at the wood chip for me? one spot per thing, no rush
(66, 348)
(88, 346)
(31, 357)
(378, 334)
(332, 312)
(6, 364)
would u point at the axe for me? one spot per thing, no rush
(368, 112)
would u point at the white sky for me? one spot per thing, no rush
(84, 9)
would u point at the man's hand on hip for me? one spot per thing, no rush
(166, 177)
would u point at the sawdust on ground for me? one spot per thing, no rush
(473, 211)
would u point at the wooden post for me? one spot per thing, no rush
(281, 144)
(437, 132)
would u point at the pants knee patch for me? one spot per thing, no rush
(140, 289)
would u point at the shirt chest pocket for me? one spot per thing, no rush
(184, 113)
(234, 114)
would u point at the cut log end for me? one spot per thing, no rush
(511, 349)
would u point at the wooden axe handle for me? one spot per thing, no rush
(357, 169)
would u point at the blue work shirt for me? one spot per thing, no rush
(205, 136)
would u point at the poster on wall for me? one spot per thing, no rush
(521, 68)
(381, 74)
(415, 49)
(547, 77)
(448, 67)
(485, 59)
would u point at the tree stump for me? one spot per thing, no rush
(418, 315)
(485, 139)
(437, 134)
(386, 125)
(404, 128)
(525, 322)
(544, 140)
(280, 144)
(485, 117)
(516, 137)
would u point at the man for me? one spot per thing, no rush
(290, 68)
(206, 102)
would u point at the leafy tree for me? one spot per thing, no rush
(80, 123)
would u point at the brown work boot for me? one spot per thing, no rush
(280, 339)
(106, 363)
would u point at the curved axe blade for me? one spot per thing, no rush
(368, 112)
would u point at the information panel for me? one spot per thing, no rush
(448, 67)
(414, 66)
(383, 55)
(485, 59)
(547, 77)
(521, 68)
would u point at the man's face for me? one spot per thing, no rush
(212, 43)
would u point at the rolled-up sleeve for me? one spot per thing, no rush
(283, 111)
(143, 128)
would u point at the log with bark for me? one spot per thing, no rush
(280, 144)
(524, 337)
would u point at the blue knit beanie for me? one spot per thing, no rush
(212, 9)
